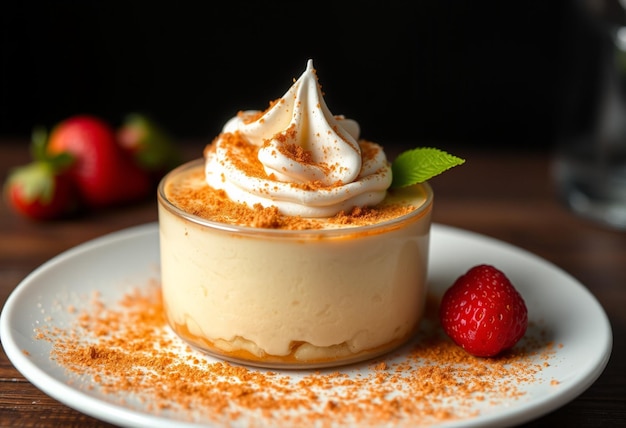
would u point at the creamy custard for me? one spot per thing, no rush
(281, 266)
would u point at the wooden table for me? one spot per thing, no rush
(505, 195)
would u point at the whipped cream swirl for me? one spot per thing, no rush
(298, 156)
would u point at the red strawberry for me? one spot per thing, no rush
(39, 192)
(483, 312)
(104, 174)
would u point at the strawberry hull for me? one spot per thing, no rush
(37, 193)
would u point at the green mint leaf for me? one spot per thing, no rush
(421, 164)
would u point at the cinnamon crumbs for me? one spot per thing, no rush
(190, 193)
(125, 351)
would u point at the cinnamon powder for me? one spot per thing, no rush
(215, 205)
(191, 194)
(125, 349)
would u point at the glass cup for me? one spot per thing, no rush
(293, 299)
(590, 162)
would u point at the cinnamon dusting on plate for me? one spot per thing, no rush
(125, 351)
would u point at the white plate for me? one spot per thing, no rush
(113, 263)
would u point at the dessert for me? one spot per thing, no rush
(285, 246)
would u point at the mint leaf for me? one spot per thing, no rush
(418, 165)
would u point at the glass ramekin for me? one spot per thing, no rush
(293, 299)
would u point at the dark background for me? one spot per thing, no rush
(498, 74)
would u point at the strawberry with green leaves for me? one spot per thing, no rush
(104, 173)
(42, 189)
(37, 192)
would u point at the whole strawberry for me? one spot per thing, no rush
(39, 192)
(42, 189)
(104, 173)
(483, 312)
